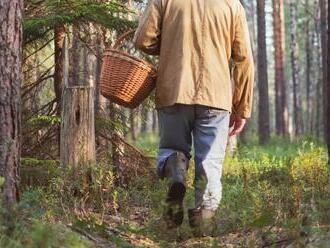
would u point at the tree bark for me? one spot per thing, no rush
(318, 102)
(59, 42)
(117, 146)
(328, 87)
(250, 9)
(101, 103)
(308, 68)
(59, 33)
(324, 47)
(144, 120)
(91, 60)
(77, 126)
(297, 104)
(132, 124)
(264, 128)
(281, 108)
(154, 121)
(78, 117)
(75, 57)
(10, 97)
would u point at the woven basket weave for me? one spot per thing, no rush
(126, 80)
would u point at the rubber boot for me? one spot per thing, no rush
(175, 172)
(201, 221)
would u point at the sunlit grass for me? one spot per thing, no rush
(275, 192)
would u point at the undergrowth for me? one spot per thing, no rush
(275, 194)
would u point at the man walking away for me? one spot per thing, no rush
(196, 41)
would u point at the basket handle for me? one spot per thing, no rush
(123, 37)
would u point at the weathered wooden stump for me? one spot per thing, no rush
(77, 126)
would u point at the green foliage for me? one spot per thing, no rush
(33, 227)
(279, 191)
(40, 121)
(35, 172)
(88, 186)
(276, 190)
(147, 142)
(110, 14)
(32, 162)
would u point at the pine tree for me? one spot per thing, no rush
(297, 103)
(264, 128)
(10, 98)
(281, 108)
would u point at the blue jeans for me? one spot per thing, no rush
(205, 127)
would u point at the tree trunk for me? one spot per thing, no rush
(297, 104)
(144, 120)
(59, 34)
(132, 124)
(77, 126)
(318, 102)
(101, 103)
(324, 44)
(78, 118)
(117, 146)
(328, 87)
(281, 108)
(264, 129)
(75, 57)
(124, 119)
(250, 9)
(91, 59)
(10, 97)
(154, 121)
(308, 68)
(319, 105)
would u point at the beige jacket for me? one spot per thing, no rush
(196, 40)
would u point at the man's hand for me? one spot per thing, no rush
(237, 123)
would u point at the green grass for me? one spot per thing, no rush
(275, 194)
(281, 186)
(35, 225)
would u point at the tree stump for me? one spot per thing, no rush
(77, 126)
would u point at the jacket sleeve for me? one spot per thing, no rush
(243, 74)
(147, 35)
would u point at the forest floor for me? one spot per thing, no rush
(273, 196)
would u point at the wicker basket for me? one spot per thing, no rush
(126, 80)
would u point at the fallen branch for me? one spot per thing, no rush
(113, 140)
(276, 243)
